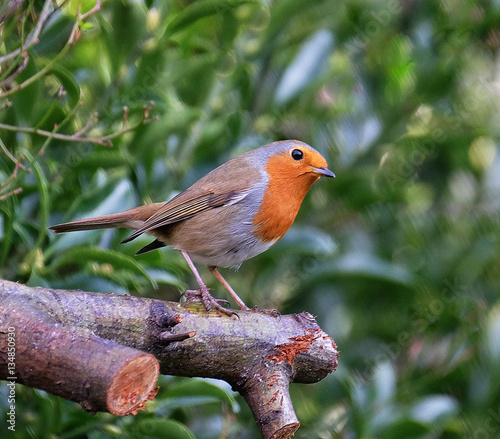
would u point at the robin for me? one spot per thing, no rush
(232, 214)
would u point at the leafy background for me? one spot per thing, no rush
(398, 257)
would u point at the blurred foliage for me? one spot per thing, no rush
(399, 257)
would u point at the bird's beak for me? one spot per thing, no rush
(323, 171)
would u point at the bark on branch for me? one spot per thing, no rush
(105, 351)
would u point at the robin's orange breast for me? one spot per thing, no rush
(282, 199)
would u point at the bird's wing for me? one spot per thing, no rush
(186, 205)
(225, 185)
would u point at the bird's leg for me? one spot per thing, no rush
(208, 301)
(229, 289)
(241, 304)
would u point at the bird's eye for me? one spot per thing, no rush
(297, 154)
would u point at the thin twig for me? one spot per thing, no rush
(75, 32)
(9, 194)
(101, 140)
(92, 11)
(70, 115)
(91, 122)
(37, 75)
(17, 71)
(12, 7)
(74, 35)
(49, 111)
(9, 154)
(33, 36)
(52, 135)
(12, 176)
(59, 126)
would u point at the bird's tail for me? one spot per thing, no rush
(100, 222)
(131, 219)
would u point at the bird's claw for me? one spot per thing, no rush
(190, 295)
(208, 301)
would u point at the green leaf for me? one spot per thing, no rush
(201, 9)
(35, 280)
(6, 227)
(282, 14)
(131, 17)
(68, 82)
(103, 159)
(165, 277)
(43, 193)
(157, 428)
(51, 410)
(361, 264)
(434, 409)
(100, 199)
(29, 98)
(79, 255)
(384, 382)
(492, 336)
(55, 36)
(306, 67)
(405, 428)
(92, 282)
(308, 240)
(199, 391)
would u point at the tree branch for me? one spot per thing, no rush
(112, 339)
(77, 137)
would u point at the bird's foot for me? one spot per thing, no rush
(190, 295)
(208, 301)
